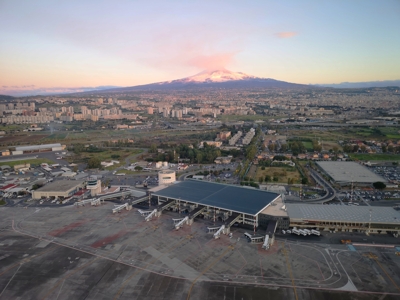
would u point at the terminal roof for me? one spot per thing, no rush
(229, 197)
(343, 213)
(60, 186)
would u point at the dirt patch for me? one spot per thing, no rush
(283, 174)
(21, 139)
(60, 231)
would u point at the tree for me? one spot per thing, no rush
(379, 185)
(94, 163)
(271, 147)
(363, 148)
(153, 148)
(260, 179)
(267, 178)
(347, 148)
(199, 157)
(138, 168)
(304, 180)
(384, 149)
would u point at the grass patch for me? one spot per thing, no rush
(57, 136)
(375, 156)
(37, 161)
(106, 155)
(281, 172)
(2, 202)
(308, 145)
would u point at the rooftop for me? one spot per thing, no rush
(343, 213)
(229, 197)
(60, 185)
(36, 147)
(347, 171)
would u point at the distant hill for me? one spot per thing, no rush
(211, 79)
(6, 98)
(357, 85)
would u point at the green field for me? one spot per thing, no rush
(57, 136)
(375, 156)
(37, 161)
(308, 145)
(106, 155)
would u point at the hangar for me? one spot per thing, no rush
(227, 203)
(346, 172)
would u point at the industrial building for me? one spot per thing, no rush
(228, 203)
(347, 172)
(38, 148)
(59, 188)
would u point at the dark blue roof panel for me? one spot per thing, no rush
(230, 197)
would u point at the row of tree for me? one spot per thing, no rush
(356, 148)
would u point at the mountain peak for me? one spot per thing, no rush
(219, 75)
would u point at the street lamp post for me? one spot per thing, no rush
(370, 219)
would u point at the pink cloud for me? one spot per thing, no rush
(286, 34)
(211, 62)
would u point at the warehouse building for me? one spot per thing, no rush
(38, 148)
(347, 172)
(59, 188)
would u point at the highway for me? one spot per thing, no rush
(330, 191)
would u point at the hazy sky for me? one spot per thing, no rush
(91, 43)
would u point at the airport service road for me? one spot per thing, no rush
(90, 253)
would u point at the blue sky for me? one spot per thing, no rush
(63, 44)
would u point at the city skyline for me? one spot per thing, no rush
(64, 46)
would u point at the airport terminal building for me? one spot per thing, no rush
(220, 202)
(232, 204)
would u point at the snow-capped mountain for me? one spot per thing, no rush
(213, 76)
(222, 78)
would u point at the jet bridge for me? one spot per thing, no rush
(266, 243)
(219, 231)
(180, 222)
(118, 208)
(116, 195)
(83, 202)
(198, 210)
(144, 213)
(137, 201)
(95, 201)
(150, 215)
(165, 205)
(212, 229)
